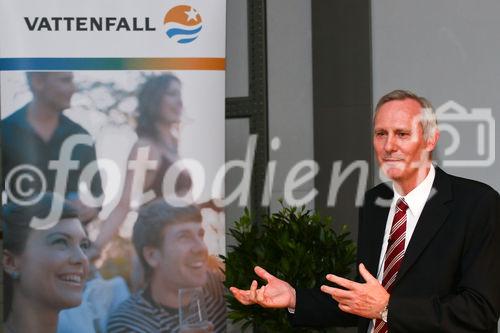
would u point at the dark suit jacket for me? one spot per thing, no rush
(449, 280)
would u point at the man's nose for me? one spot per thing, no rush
(199, 246)
(390, 144)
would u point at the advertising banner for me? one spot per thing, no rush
(112, 125)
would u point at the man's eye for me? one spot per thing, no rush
(85, 245)
(61, 242)
(184, 236)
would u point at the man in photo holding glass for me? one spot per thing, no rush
(169, 242)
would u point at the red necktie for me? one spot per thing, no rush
(393, 255)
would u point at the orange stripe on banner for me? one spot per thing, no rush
(209, 64)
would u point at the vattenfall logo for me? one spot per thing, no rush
(182, 24)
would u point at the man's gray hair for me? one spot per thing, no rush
(428, 120)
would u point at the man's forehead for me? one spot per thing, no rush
(402, 111)
(60, 74)
(177, 226)
(44, 76)
(403, 105)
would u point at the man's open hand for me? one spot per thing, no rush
(362, 299)
(275, 294)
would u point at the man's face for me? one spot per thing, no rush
(55, 89)
(184, 256)
(399, 142)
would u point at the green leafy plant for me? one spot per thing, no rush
(295, 245)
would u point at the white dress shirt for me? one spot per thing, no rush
(415, 200)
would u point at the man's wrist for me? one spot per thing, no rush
(384, 313)
(291, 306)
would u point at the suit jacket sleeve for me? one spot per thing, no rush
(314, 308)
(475, 305)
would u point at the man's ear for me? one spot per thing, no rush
(10, 262)
(37, 81)
(152, 256)
(431, 143)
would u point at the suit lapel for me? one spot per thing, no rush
(432, 218)
(377, 221)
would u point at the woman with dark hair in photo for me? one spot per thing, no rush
(160, 111)
(44, 269)
(159, 116)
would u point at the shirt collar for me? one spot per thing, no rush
(417, 197)
(148, 297)
(20, 118)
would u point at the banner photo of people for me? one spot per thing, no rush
(112, 129)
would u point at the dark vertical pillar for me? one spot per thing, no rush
(342, 83)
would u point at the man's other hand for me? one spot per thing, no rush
(363, 299)
(275, 294)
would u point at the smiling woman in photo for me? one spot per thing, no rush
(44, 270)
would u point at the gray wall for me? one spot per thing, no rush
(444, 50)
(342, 106)
(290, 88)
(236, 48)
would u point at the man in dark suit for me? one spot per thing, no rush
(428, 246)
